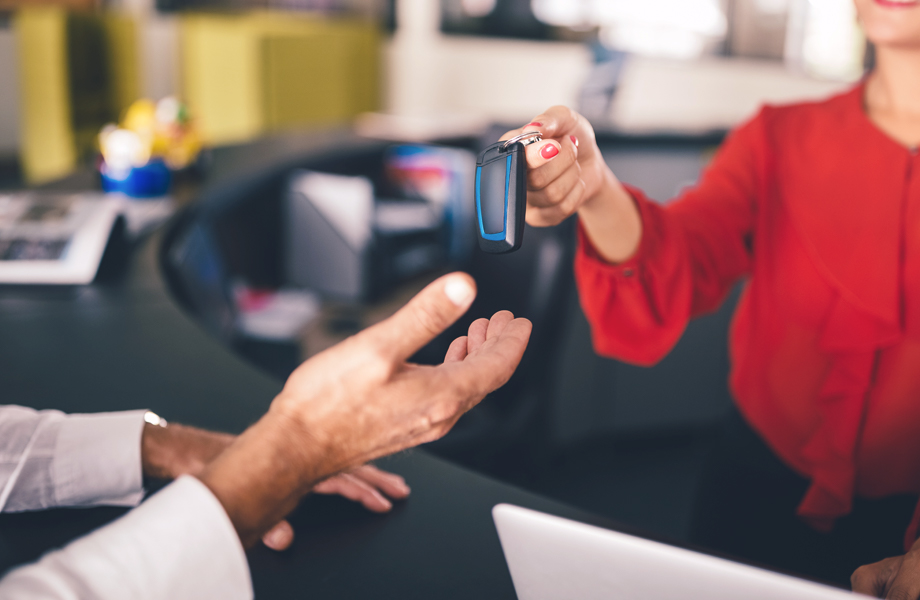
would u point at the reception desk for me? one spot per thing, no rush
(124, 343)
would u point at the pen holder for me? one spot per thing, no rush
(149, 181)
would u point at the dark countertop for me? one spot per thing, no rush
(122, 343)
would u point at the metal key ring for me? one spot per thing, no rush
(525, 139)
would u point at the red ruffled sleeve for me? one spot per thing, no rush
(691, 253)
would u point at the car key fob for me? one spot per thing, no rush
(501, 193)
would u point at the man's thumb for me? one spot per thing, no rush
(427, 315)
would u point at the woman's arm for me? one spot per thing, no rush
(644, 270)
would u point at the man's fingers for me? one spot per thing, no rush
(351, 487)
(428, 314)
(498, 322)
(496, 360)
(280, 537)
(390, 484)
(477, 335)
(457, 350)
(484, 329)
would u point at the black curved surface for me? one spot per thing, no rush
(123, 343)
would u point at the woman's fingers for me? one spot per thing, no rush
(547, 160)
(280, 537)
(553, 215)
(556, 122)
(391, 484)
(555, 192)
(532, 126)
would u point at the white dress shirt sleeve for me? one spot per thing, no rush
(50, 459)
(177, 545)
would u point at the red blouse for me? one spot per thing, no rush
(820, 210)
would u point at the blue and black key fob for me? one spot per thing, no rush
(501, 193)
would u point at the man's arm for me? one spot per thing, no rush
(50, 459)
(355, 402)
(179, 545)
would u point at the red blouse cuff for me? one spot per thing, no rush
(630, 267)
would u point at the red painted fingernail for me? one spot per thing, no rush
(549, 151)
(574, 140)
(535, 124)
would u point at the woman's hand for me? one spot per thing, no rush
(567, 174)
(566, 169)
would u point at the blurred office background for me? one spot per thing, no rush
(661, 80)
(248, 67)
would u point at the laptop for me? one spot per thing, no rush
(551, 558)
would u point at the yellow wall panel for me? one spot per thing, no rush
(124, 60)
(306, 80)
(244, 75)
(48, 149)
(220, 77)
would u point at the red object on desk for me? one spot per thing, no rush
(822, 211)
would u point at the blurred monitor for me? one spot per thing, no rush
(494, 18)
(203, 277)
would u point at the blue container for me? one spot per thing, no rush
(149, 181)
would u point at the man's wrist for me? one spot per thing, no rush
(310, 451)
(265, 472)
(168, 452)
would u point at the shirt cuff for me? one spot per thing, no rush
(97, 459)
(179, 544)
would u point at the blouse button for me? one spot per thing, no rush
(628, 272)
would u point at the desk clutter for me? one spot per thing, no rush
(140, 154)
(53, 239)
(349, 238)
(61, 238)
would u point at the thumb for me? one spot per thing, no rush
(423, 318)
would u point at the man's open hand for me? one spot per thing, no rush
(361, 400)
